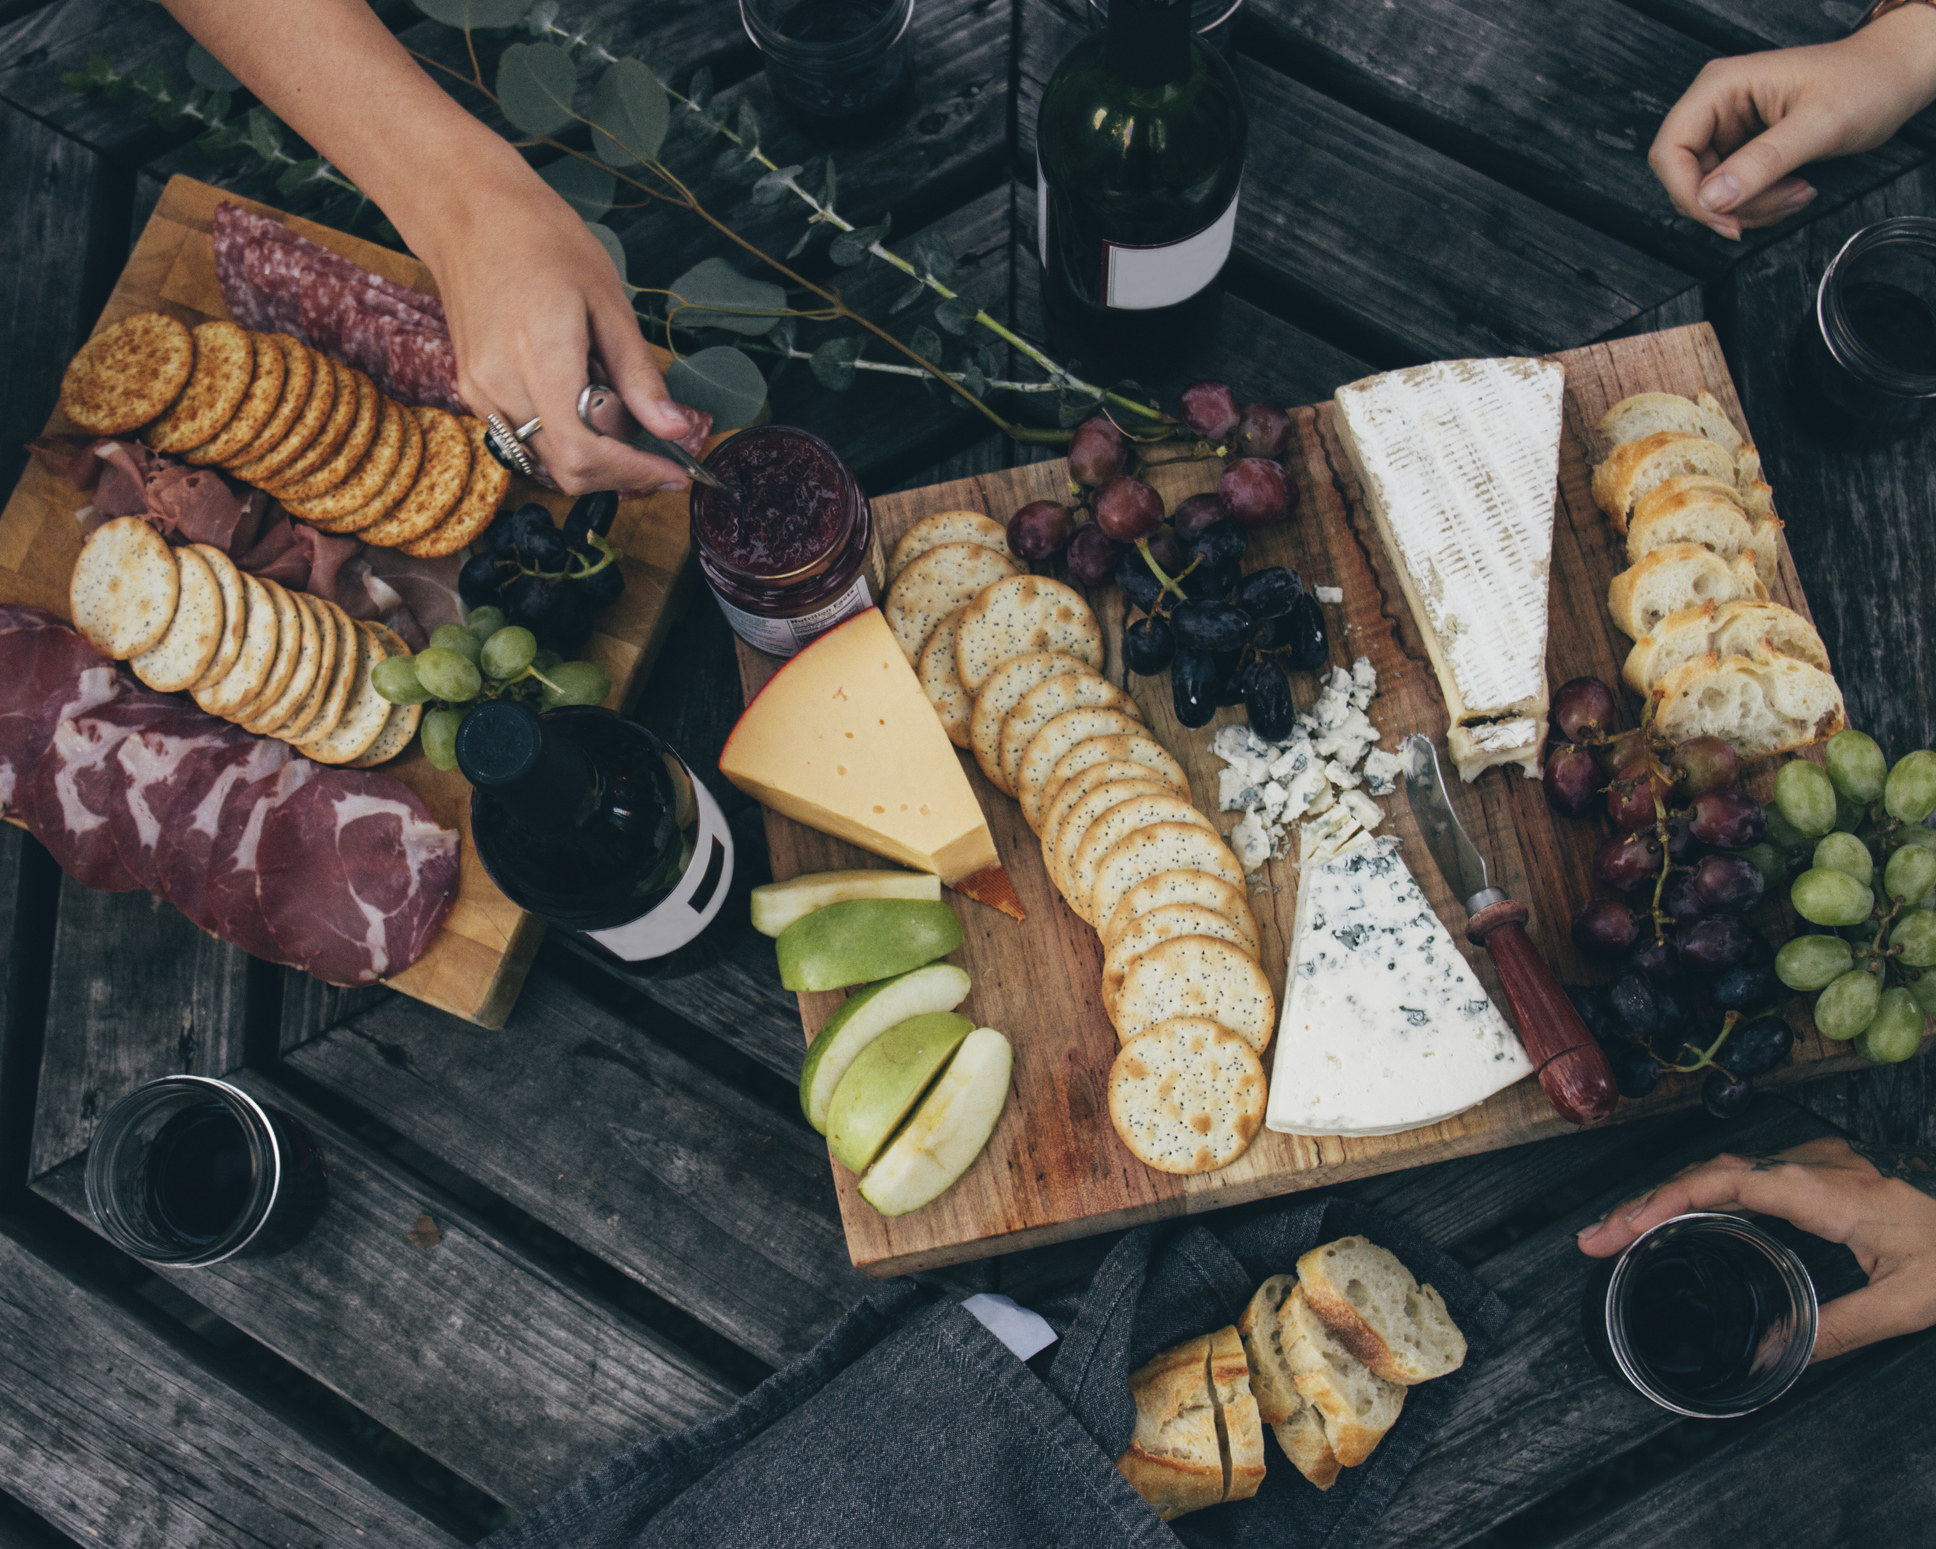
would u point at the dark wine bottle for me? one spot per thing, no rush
(1139, 157)
(579, 815)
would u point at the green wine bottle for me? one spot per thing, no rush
(1139, 157)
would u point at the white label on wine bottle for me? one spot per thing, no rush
(1140, 279)
(782, 637)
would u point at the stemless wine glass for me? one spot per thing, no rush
(1863, 368)
(839, 65)
(1214, 20)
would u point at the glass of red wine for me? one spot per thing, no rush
(188, 1171)
(1706, 1314)
(841, 67)
(1863, 365)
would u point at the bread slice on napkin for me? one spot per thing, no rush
(1301, 1435)
(1383, 1316)
(1238, 1426)
(1173, 1458)
(1356, 1405)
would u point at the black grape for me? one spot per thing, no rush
(1269, 594)
(1148, 646)
(1137, 580)
(479, 582)
(593, 513)
(1267, 699)
(1193, 687)
(1210, 626)
(1757, 1047)
(1310, 645)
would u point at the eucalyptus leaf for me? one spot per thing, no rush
(784, 331)
(926, 343)
(933, 253)
(629, 113)
(265, 134)
(716, 295)
(992, 355)
(850, 247)
(956, 314)
(827, 187)
(699, 90)
(535, 85)
(909, 297)
(608, 239)
(475, 13)
(1071, 412)
(205, 70)
(775, 185)
(833, 363)
(584, 185)
(296, 179)
(972, 379)
(723, 381)
(806, 240)
(748, 126)
(733, 165)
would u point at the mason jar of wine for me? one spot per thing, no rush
(1139, 160)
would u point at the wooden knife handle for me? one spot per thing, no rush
(1572, 1068)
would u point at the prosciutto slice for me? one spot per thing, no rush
(37, 663)
(192, 826)
(171, 757)
(230, 906)
(354, 876)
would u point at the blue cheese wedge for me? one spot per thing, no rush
(1385, 1026)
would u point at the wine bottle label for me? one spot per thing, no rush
(1141, 279)
(782, 637)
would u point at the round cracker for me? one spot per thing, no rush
(341, 463)
(1019, 614)
(1167, 888)
(367, 479)
(1187, 1096)
(442, 478)
(329, 645)
(402, 478)
(396, 735)
(1079, 786)
(298, 379)
(1049, 744)
(289, 616)
(1165, 924)
(1005, 685)
(365, 714)
(178, 660)
(305, 431)
(235, 614)
(336, 691)
(128, 374)
(1116, 748)
(271, 714)
(1118, 822)
(267, 376)
(935, 585)
(1162, 847)
(124, 588)
(1197, 976)
(936, 670)
(260, 642)
(224, 367)
(946, 527)
(1059, 843)
(343, 411)
(475, 510)
(1047, 700)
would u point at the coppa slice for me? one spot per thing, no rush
(1048, 699)
(1163, 847)
(865, 1015)
(1116, 823)
(37, 661)
(189, 828)
(1187, 1096)
(885, 1081)
(66, 801)
(939, 583)
(946, 527)
(1020, 614)
(1171, 888)
(948, 1130)
(1054, 741)
(1005, 686)
(1197, 976)
(153, 769)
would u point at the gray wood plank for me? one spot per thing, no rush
(137, 992)
(16, 1078)
(715, 1202)
(1742, 26)
(116, 1437)
(38, 48)
(310, 1006)
(468, 1348)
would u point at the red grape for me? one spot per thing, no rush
(1097, 452)
(1571, 780)
(1682, 846)
(1727, 820)
(1092, 555)
(1603, 925)
(1627, 747)
(1705, 764)
(1630, 802)
(1583, 708)
(1727, 884)
(1196, 513)
(1166, 551)
(1714, 944)
(1626, 862)
(1256, 491)
(1128, 509)
(1657, 961)
(1040, 529)
(1677, 900)
(1210, 409)
(1263, 430)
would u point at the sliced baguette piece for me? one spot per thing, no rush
(1397, 1327)
(1271, 1378)
(1761, 705)
(1635, 468)
(1173, 1458)
(1357, 1405)
(1677, 576)
(1239, 1427)
(1726, 629)
(1647, 414)
(1302, 1438)
(1697, 509)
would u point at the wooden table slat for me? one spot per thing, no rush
(43, 45)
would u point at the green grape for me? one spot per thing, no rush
(1909, 794)
(1922, 990)
(1856, 765)
(1849, 815)
(1784, 834)
(1813, 962)
(1847, 1004)
(1922, 838)
(455, 637)
(1915, 932)
(544, 661)
(439, 733)
(1770, 861)
(1825, 897)
(1806, 798)
(578, 683)
(395, 678)
(1911, 872)
(448, 675)
(1895, 1033)
(486, 621)
(1847, 854)
(508, 652)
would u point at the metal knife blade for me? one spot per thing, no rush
(1459, 862)
(604, 413)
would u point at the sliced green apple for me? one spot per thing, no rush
(948, 1130)
(886, 1080)
(862, 940)
(866, 1015)
(776, 905)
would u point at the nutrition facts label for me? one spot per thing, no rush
(782, 637)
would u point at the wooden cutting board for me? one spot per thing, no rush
(1054, 1168)
(477, 964)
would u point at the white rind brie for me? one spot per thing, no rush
(1459, 462)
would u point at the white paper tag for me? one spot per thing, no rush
(1014, 1325)
(782, 637)
(1140, 279)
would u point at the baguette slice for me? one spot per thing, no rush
(1635, 468)
(1302, 1438)
(1271, 1378)
(1357, 1406)
(1729, 629)
(1173, 1459)
(1762, 704)
(1239, 1427)
(1366, 1297)
(1678, 576)
(1697, 509)
(1646, 414)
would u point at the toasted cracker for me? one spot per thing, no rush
(1120, 747)
(124, 588)
(1006, 685)
(396, 736)
(330, 642)
(936, 670)
(1187, 1096)
(224, 367)
(267, 376)
(1163, 847)
(946, 527)
(402, 479)
(1168, 888)
(1047, 700)
(1059, 844)
(365, 713)
(1165, 924)
(1197, 976)
(1024, 613)
(341, 463)
(343, 412)
(327, 383)
(1047, 747)
(441, 480)
(335, 693)
(270, 714)
(235, 614)
(935, 585)
(1117, 823)
(1078, 786)
(366, 480)
(474, 511)
(299, 364)
(289, 617)
(260, 642)
(128, 374)
(178, 660)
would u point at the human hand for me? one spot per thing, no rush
(1827, 1188)
(1727, 151)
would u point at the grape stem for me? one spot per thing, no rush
(1173, 587)
(1707, 1055)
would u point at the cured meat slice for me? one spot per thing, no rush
(354, 876)
(422, 368)
(170, 758)
(15, 615)
(36, 661)
(192, 825)
(230, 907)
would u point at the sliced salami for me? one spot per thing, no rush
(230, 906)
(36, 661)
(422, 368)
(170, 757)
(354, 876)
(192, 826)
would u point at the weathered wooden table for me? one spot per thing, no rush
(609, 1218)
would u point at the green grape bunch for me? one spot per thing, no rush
(483, 658)
(1866, 886)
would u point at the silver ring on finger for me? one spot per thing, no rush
(507, 445)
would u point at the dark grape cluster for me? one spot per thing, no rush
(549, 580)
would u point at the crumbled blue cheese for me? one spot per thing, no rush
(1333, 594)
(1382, 770)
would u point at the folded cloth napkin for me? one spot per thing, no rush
(911, 1423)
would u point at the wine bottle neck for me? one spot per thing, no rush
(1148, 41)
(545, 782)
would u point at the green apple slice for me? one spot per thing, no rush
(948, 1130)
(867, 1014)
(886, 1080)
(776, 905)
(862, 940)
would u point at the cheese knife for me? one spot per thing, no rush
(1572, 1068)
(605, 414)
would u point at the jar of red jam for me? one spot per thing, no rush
(791, 552)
